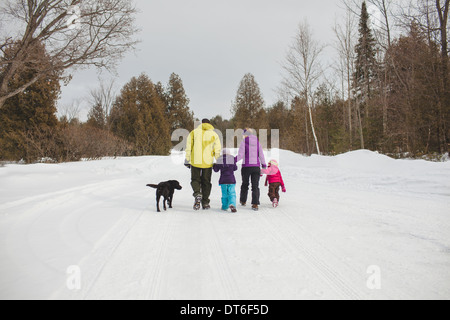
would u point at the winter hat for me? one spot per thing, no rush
(206, 121)
(273, 163)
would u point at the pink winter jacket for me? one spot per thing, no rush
(273, 175)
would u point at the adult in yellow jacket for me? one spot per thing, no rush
(202, 148)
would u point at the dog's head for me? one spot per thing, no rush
(175, 184)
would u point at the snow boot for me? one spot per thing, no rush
(275, 203)
(198, 203)
(255, 207)
(233, 209)
(206, 207)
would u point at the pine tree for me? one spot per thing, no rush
(221, 124)
(278, 119)
(366, 64)
(365, 71)
(97, 117)
(177, 104)
(30, 114)
(138, 116)
(248, 108)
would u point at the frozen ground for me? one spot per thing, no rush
(355, 226)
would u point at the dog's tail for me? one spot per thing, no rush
(154, 186)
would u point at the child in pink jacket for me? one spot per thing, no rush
(275, 181)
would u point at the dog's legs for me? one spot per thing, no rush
(170, 201)
(158, 197)
(164, 202)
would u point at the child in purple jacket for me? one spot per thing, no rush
(227, 166)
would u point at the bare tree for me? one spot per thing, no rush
(71, 112)
(383, 34)
(75, 33)
(442, 7)
(104, 96)
(432, 18)
(303, 70)
(345, 46)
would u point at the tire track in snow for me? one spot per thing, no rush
(157, 276)
(51, 195)
(120, 231)
(93, 265)
(227, 279)
(37, 228)
(98, 256)
(312, 253)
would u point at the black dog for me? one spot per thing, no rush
(166, 190)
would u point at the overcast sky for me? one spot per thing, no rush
(212, 44)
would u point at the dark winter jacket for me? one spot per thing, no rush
(227, 166)
(251, 152)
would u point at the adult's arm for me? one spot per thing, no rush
(262, 159)
(241, 153)
(189, 146)
(217, 147)
(270, 170)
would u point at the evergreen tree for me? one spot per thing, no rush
(248, 108)
(277, 115)
(160, 91)
(30, 114)
(365, 75)
(97, 117)
(366, 64)
(278, 119)
(177, 104)
(138, 116)
(221, 124)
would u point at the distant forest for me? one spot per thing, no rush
(387, 90)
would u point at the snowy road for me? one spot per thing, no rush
(356, 226)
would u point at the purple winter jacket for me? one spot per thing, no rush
(251, 152)
(227, 166)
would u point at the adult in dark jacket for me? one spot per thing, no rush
(227, 166)
(252, 155)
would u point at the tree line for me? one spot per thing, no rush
(384, 92)
(387, 91)
(139, 121)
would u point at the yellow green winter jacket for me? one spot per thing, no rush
(203, 146)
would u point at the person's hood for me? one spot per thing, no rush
(228, 159)
(274, 163)
(206, 127)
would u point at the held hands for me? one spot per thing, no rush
(187, 164)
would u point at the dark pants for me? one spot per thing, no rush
(201, 183)
(274, 191)
(253, 174)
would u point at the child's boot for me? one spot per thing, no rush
(275, 203)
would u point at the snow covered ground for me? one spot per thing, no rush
(354, 226)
